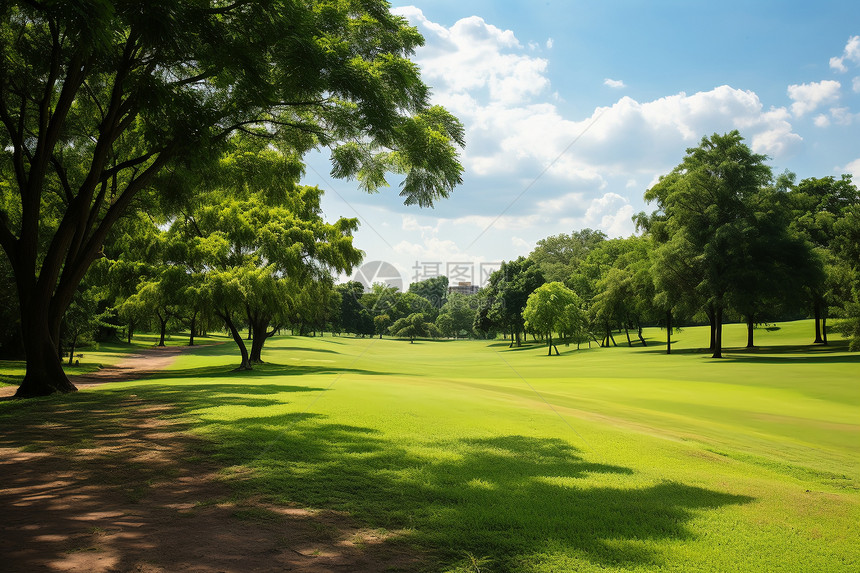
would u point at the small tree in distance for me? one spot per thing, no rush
(553, 307)
(414, 326)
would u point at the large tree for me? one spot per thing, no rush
(705, 201)
(818, 204)
(98, 98)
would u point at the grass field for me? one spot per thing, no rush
(485, 458)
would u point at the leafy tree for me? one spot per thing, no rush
(774, 264)
(163, 297)
(352, 311)
(559, 256)
(414, 326)
(381, 322)
(705, 204)
(847, 246)
(457, 314)
(553, 307)
(381, 299)
(273, 246)
(817, 205)
(507, 292)
(99, 100)
(82, 318)
(434, 290)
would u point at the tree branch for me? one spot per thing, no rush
(64, 180)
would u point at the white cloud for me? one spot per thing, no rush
(822, 120)
(515, 130)
(843, 115)
(549, 43)
(611, 213)
(473, 55)
(855, 85)
(564, 205)
(522, 246)
(617, 84)
(853, 168)
(478, 223)
(850, 54)
(807, 97)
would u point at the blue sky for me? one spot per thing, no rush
(573, 109)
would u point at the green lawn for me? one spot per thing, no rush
(486, 458)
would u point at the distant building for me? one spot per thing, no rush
(464, 288)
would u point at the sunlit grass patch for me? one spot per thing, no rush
(494, 459)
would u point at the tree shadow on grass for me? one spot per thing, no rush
(306, 349)
(513, 499)
(265, 370)
(508, 498)
(790, 353)
(113, 481)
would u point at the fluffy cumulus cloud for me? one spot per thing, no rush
(809, 97)
(587, 170)
(850, 55)
(853, 168)
(616, 84)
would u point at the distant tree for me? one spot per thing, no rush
(507, 293)
(82, 319)
(381, 322)
(434, 290)
(351, 306)
(559, 256)
(457, 314)
(416, 325)
(553, 307)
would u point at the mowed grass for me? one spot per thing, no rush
(485, 458)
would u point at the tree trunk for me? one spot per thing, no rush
(257, 346)
(750, 328)
(44, 375)
(639, 333)
(130, 330)
(72, 343)
(824, 329)
(237, 338)
(817, 312)
(163, 322)
(549, 346)
(718, 333)
(627, 332)
(193, 326)
(712, 318)
(669, 332)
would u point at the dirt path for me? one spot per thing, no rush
(140, 364)
(124, 489)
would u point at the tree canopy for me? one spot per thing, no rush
(101, 100)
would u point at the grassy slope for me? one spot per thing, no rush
(619, 459)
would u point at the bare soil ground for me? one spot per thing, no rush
(138, 495)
